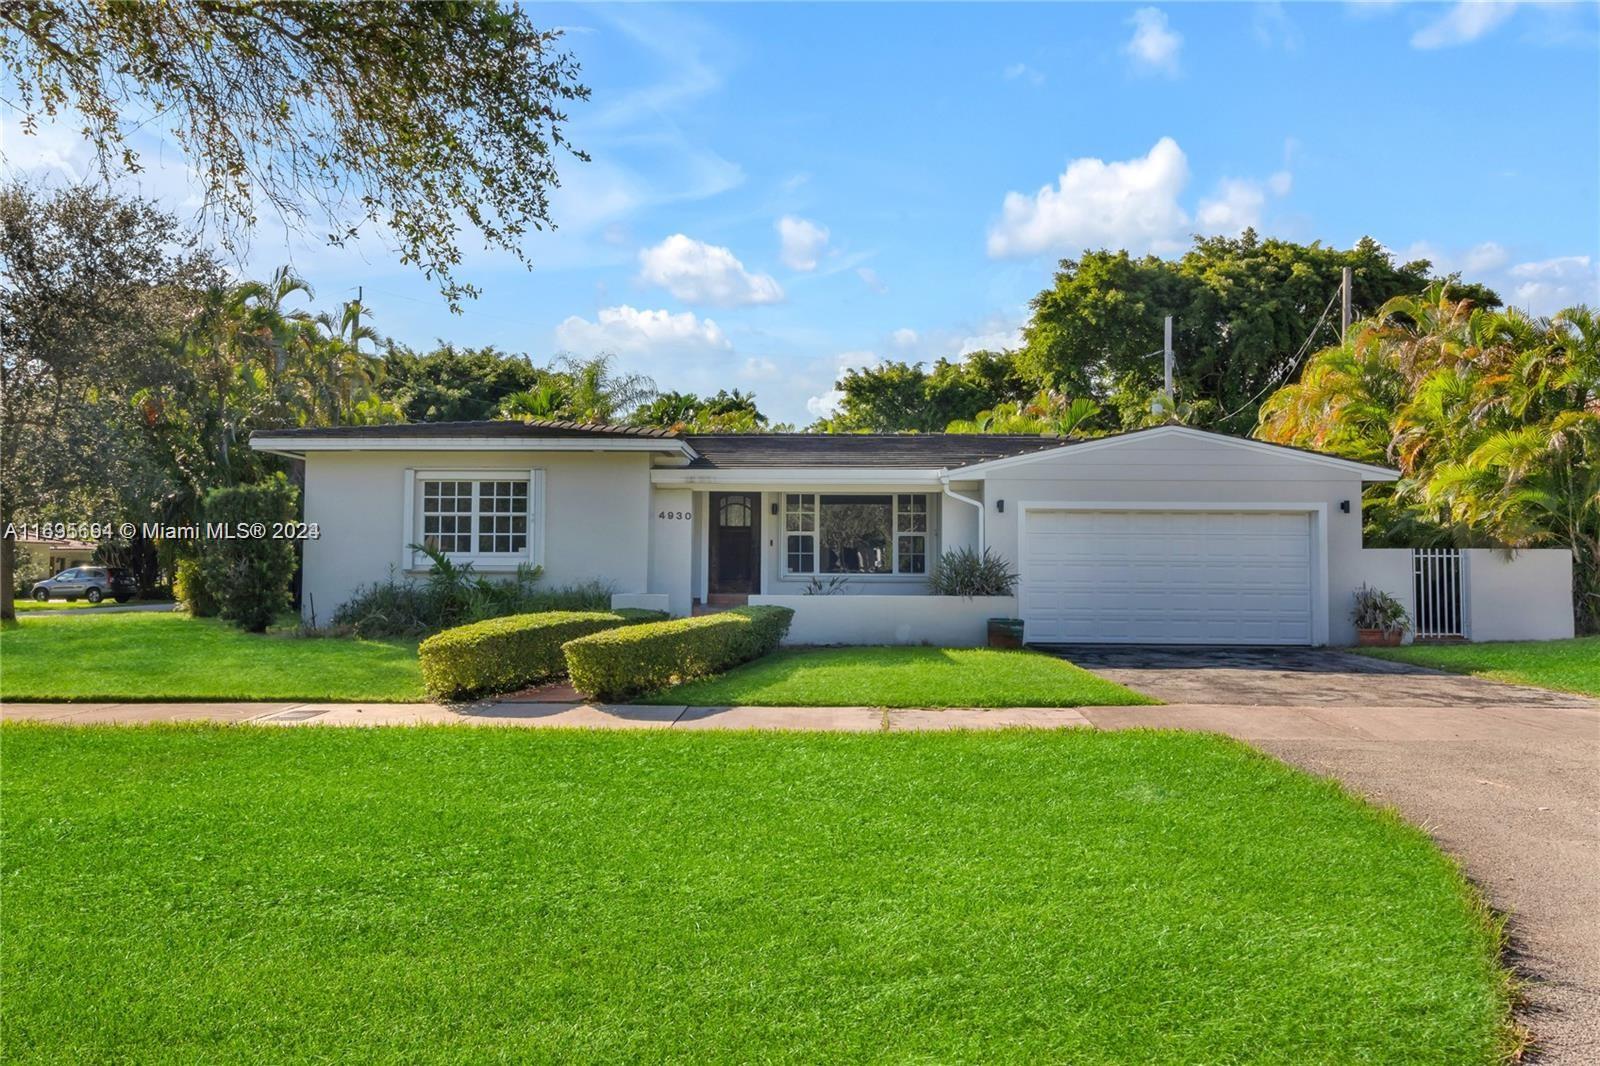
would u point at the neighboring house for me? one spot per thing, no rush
(57, 555)
(1165, 535)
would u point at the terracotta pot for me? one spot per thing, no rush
(1379, 638)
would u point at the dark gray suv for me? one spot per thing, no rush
(93, 583)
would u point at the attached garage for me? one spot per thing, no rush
(1169, 576)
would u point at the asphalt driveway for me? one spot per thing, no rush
(1505, 777)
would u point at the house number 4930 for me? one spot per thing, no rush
(680, 515)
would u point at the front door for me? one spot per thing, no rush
(735, 542)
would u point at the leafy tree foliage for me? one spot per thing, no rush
(726, 412)
(416, 118)
(451, 384)
(904, 397)
(1493, 418)
(580, 390)
(133, 370)
(1243, 309)
(1050, 414)
(249, 575)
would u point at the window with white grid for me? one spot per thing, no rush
(855, 533)
(475, 516)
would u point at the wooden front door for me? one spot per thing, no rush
(735, 542)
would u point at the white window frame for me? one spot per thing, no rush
(893, 573)
(488, 562)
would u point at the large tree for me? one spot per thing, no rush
(91, 287)
(1245, 312)
(898, 397)
(1493, 419)
(451, 384)
(416, 118)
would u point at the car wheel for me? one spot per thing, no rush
(41, 595)
(93, 596)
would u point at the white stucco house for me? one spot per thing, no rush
(1165, 535)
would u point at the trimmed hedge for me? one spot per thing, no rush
(505, 654)
(625, 662)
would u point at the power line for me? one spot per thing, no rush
(1283, 372)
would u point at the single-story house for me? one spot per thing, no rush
(1164, 535)
(57, 555)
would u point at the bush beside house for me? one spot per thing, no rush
(505, 654)
(625, 662)
(248, 574)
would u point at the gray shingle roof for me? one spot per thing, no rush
(921, 451)
(541, 427)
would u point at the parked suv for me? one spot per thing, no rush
(93, 583)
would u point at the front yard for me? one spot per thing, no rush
(168, 655)
(1565, 665)
(902, 677)
(255, 894)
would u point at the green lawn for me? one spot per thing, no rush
(23, 606)
(902, 677)
(234, 894)
(1567, 665)
(148, 656)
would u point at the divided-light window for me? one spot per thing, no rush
(488, 517)
(842, 533)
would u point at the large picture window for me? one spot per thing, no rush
(484, 517)
(848, 533)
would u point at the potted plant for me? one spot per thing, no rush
(1381, 620)
(964, 572)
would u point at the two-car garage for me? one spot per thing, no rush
(1153, 576)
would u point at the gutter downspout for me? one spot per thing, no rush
(944, 480)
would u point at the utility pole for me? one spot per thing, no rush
(1344, 303)
(1166, 353)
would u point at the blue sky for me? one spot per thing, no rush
(778, 192)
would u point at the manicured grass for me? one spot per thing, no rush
(170, 656)
(275, 895)
(902, 677)
(1566, 665)
(23, 606)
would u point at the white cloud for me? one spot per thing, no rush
(1273, 27)
(1238, 202)
(803, 242)
(1131, 204)
(1023, 72)
(1484, 257)
(1463, 23)
(826, 405)
(903, 338)
(870, 279)
(628, 330)
(1154, 45)
(759, 369)
(1000, 340)
(701, 273)
(1546, 286)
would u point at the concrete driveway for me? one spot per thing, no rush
(1505, 777)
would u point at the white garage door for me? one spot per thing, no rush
(1167, 577)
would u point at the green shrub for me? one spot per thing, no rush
(964, 572)
(189, 588)
(625, 662)
(454, 594)
(505, 654)
(249, 575)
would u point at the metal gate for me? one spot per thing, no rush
(1437, 576)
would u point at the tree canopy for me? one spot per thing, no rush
(1492, 417)
(418, 117)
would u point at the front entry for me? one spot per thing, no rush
(735, 564)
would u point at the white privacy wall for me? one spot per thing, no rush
(596, 523)
(941, 621)
(1524, 596)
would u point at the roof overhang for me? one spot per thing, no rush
(1366, 471)
(756, 478)
(298, 446)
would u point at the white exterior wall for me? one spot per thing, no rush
(1388, 570)
(672, 515)
(1526, 596)
(596, 521)
(941, 621)
(1188, 470)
